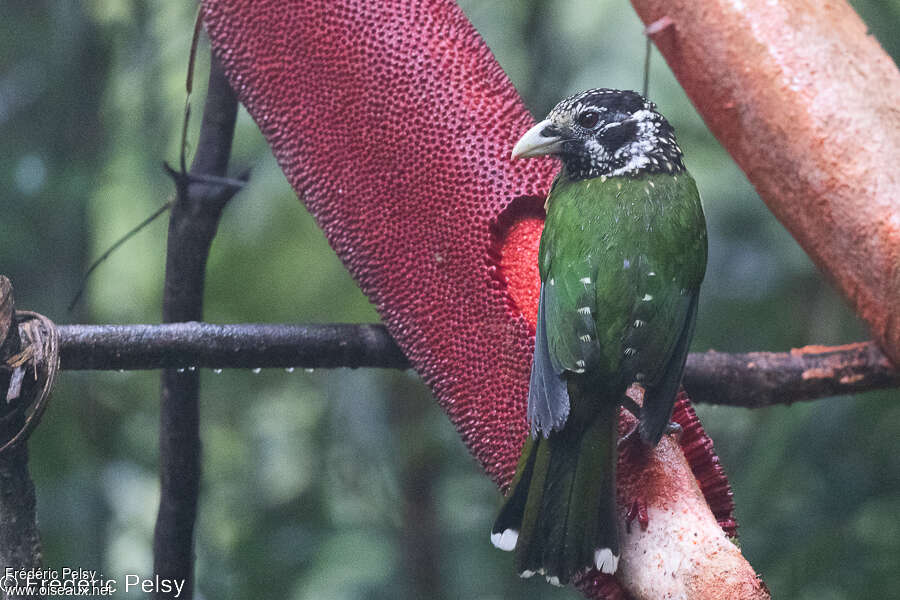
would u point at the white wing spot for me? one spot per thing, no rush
(585, 280)
(606, 561)
(647, 298)
(552, 281)
(651, 274)
(585, 310)
(506, 540)
(579, 364)
(585, 338)
(630, 352)
(638, 323)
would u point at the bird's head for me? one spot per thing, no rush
(604, 132)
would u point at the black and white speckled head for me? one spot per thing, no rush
(605, 132)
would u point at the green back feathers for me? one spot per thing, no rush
(631, 252)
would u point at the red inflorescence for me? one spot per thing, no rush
(698, 450)
(514, 251)
(394, 124)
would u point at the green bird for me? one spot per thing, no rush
(622, 257)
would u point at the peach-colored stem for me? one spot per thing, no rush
(682, 553)
(808, 104)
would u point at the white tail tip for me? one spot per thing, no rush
(554, 580)
(506, 540)
(606, 561)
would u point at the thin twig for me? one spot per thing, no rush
(189, 90)
(752, 379)
(236, 184)
(41, 358)
(113, 248)
(648, 50)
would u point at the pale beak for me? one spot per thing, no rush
(540, 140)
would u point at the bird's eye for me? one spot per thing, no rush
(589, 119)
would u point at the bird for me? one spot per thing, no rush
(622, 256)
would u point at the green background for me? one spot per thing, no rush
(352, 484)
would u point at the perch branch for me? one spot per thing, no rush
(757, 379)
(247, 346)
(753, 379)
(194, 220)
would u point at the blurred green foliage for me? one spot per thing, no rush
(352, 484)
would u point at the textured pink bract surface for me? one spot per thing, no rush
(394, 124)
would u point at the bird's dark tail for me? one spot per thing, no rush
(560, 514)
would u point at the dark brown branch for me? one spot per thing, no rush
(195, 218)
(248, 346)
(754, 379)
(757, 379)
(20, 546)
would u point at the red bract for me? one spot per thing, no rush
(394, 124)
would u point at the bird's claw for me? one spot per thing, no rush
(675, 429)
(637, 510)
(628, 436)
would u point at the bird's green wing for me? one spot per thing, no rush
(565, 337)
(587, 295)
(666, 270)
(548, 399)
(569, 317)
(660, 348)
